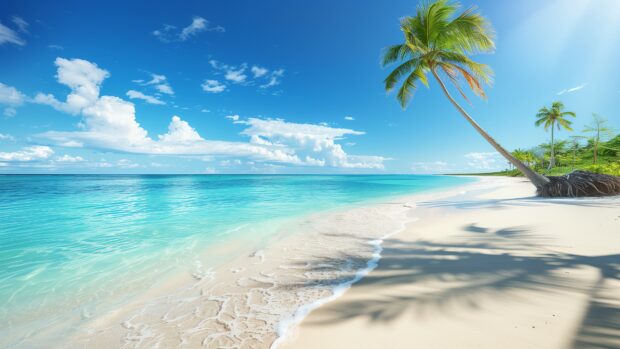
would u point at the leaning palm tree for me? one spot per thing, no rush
(437, 40)
(552, 117)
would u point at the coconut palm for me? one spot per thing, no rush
(437, 40)
(600, 129)
(552, 117)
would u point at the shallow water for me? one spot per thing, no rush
(71, 243)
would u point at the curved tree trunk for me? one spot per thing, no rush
(538, 180)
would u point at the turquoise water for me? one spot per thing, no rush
(69, 241)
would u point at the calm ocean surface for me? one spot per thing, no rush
(69, 241)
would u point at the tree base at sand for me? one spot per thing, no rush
(579, 184)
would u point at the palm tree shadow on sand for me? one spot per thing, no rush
(478, 264)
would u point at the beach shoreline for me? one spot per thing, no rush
(262, 287)
(492, 267)
(318, 266)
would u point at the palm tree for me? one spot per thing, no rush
(598, 127)
(436, 40)
(551, 117)
(574, 143)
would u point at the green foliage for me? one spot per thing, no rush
(570, 156)
(612, 168)
(437, 39)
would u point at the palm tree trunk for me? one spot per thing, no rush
(596, 144)
(552, 160)
(538, 180)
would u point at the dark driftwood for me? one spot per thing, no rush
(581, 183)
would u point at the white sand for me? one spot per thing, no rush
(491, 268)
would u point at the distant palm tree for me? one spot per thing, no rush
(436, 40)
(599, 128)
(551, 117)
(574, 146)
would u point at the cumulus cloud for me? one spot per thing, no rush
(349, 118)
(83, 78)
(180, 131)
(232, 117)
(236, 76)
(258, 71)
(109, 123)
(133, 94)
(8, 35)
(213, 86)
(170, 33)
(310, 141)
(10, 97)
(483, 160)
(32, 153)
(572, 89)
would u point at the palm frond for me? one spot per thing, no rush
(399, 72)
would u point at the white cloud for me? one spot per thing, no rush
(572, 89)
(55, 47)
(310, 140)
(6, 137)
(169, 33)
(213, 86)
(21, 24)
(180, 131)
(164, 88)
(232, 117)
(274, 78)
(133, 94)
(236, 76)
(109, 123)
(349, 118)
(69, 159)
(126, 163)
(430, 167)
(83, 78)
(11, 96)
(258, 71)
(483, 160)
(205, 110)
(159, 82)
(8, 35)
(32, 153)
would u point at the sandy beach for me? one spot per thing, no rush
(492, 267)
(484, 264)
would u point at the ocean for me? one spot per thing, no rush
(71, 243)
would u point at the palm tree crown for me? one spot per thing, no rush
(553, 116)
(436, 39)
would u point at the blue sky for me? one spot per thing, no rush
(279, 86)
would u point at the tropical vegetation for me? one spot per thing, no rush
(439, 42)
(551, 118)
